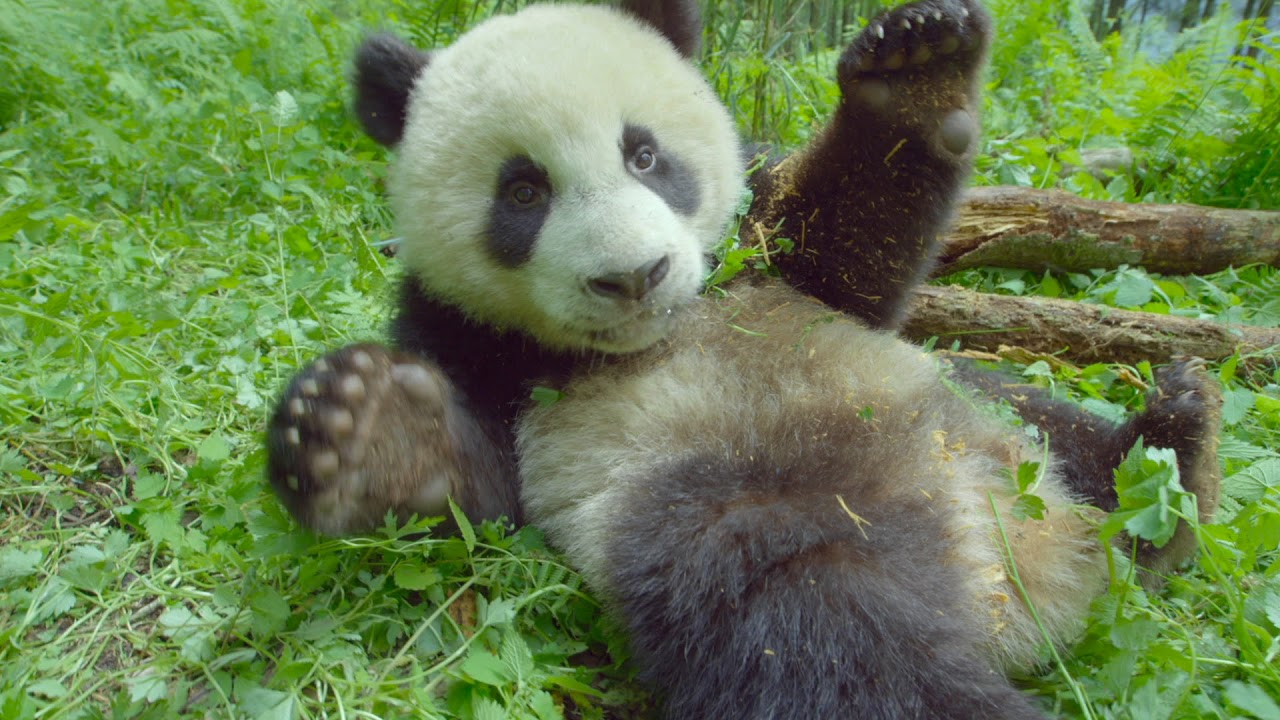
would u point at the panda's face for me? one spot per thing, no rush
(564, 172)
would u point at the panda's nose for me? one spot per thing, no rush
(632, 285)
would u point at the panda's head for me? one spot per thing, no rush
(562, 171)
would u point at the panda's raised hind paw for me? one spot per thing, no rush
(1184, 413)
(361, 432)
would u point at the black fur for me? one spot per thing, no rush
(865, 202)
(478, 444)
(495, 370)
(1092, 446)
(513, 226)
(1182, 414)
(385, 69)
(749, 593)
(679, 21)
(669, 178)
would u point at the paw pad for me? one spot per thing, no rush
(358, 433)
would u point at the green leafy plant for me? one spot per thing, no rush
(188, 213)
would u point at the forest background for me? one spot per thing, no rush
(188, 213)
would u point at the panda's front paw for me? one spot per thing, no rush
(918, 64)
(361, 432)
(930, 36)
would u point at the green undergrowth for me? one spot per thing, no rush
(186, 216)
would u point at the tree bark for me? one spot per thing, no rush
(1078, 331)
(1115, 14)
(1050, 229)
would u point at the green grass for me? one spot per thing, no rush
(185, 217)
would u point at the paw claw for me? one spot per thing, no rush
(938, 39)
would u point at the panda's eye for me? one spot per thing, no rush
(644, 159)
(524, 194)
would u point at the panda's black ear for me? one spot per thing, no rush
(679, 20)
(386, 68)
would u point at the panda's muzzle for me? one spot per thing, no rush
(633, 285)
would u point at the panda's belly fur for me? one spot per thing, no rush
(771, 428)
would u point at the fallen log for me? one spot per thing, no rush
(1050, 229)
(1082, 332)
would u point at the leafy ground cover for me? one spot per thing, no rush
(186, 215)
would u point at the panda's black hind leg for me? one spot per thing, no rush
(865, 202)
(1183, 412)
(366, 430)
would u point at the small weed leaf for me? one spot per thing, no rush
(412, 576)
(11, 461)
(18, 563)
(1028, 475)
(483, 666)
(464, 526)
(485, 709)
(214, 449)
(515, 654)
(283, 109)
(1254, 482)
(545, 396)
(148, 485)
(147, 687)
(1236, 405)
(1253, 700)
(263, 704)
(1028, 507)
(1149, 492)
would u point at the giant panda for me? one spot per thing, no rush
(795, 513)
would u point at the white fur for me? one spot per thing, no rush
(558, 84)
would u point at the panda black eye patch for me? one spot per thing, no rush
(520, 206)
(662, 172)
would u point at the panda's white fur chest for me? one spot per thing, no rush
(504, 91)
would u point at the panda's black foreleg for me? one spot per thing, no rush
(1182, 412)
(366, 430)
(865, 202)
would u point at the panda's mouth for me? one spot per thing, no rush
(633, 334)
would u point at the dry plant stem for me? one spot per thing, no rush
(1050, 229)
(1084, 333)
